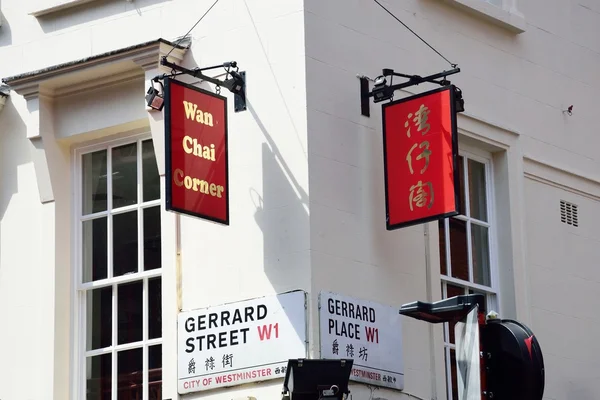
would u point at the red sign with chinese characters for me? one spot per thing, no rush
(196, 162)
(420, 153)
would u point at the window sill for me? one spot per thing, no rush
(58, 5)
(511, 20)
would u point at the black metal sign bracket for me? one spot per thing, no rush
(235, 81)
(382, 91)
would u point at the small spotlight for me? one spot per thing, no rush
(380, 90)
(459, 103)
(154, 99)
(235, 84)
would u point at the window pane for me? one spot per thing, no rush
(461, 179)
(448, 376)
(99, 318)
(154, 308)
(155, 372)
(94, 182)
(130, 312)
(99, 381)
(459, 254)
(129, 378)
(150, 172)
(453, 291)
(125, 243)
(124, 176)
(95, 256)
(152, 238)
(442, 240)
(481, 254)
(477, 194)
(453, 374)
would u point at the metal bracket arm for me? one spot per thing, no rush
(415, 79)
(236, 84)
(196, 73)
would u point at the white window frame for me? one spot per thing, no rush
(493, 291)
(78, 370)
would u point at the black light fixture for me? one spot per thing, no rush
(235, 84)
(458, 100)
(510, 357)
(452, 309)
(381, 91)
(154, 98)
(317, 379)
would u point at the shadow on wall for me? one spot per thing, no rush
(89, 12)
(282, 215)
(5, 34)
(14, 151)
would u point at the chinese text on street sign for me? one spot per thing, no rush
(369, 333)
(420, 153)
(241, 342)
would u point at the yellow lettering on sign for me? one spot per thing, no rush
(195, 114)
(197, 185)
(191, 146)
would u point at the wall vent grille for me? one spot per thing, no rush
(568, 213)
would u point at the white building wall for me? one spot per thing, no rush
(516, 87)
(306, 176)
(22, 303)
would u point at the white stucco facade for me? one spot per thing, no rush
(307, 208)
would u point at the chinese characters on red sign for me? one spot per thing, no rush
(196, 162)
(420, 151)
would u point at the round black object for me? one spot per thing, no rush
(514, 362)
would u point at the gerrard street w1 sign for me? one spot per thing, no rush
(240, 342)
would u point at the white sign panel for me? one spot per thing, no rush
(466, 333)
(241, 342)
(369, 333)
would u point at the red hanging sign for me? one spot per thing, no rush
(420, 158)
(196, 162)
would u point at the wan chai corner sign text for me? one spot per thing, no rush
(196, 162)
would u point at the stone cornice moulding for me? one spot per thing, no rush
(40, 11)
(507, 16)
(491, 135)
(44, 87)
(145, 56)
(561, 177)
(94, 84)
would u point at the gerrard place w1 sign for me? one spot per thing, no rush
(196, 159)
(369, 333)
(420, 158)
(241, 342)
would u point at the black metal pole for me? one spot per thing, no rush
(365, 108)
